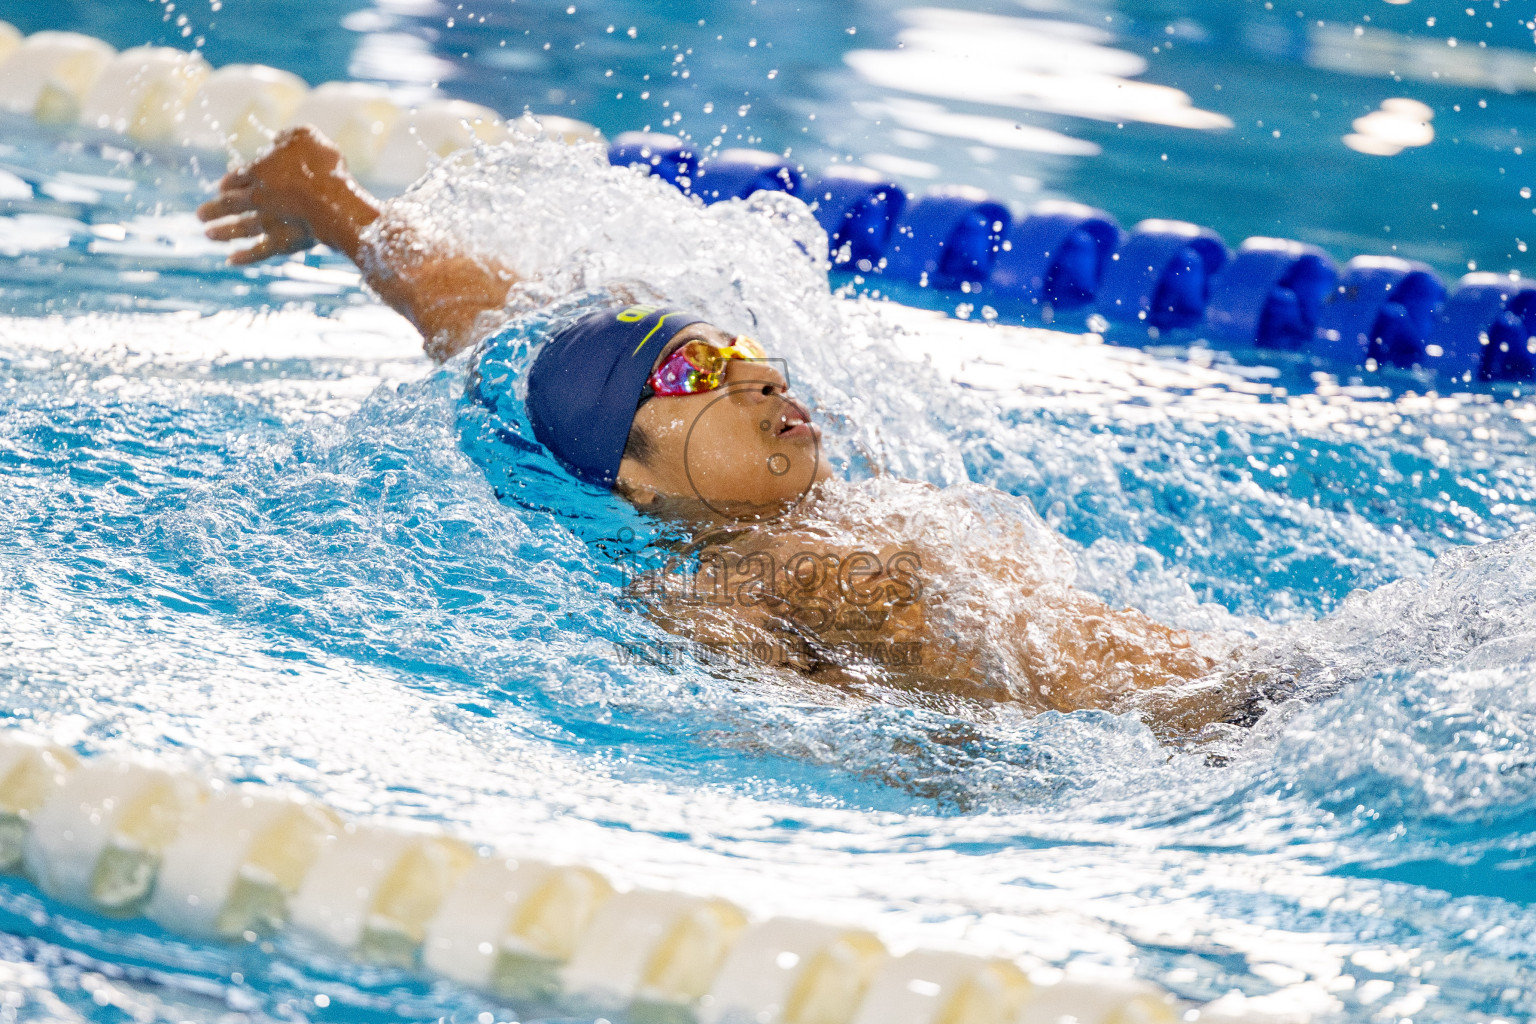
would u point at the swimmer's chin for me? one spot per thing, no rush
(693, 511)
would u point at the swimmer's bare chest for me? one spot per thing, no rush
(951, 590)
(830, 611)
(885, 612)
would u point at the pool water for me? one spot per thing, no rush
(243, 533)
(1227, 114)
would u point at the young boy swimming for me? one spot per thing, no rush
(885, 583)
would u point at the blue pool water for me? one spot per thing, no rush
(1226, 114)
(241, 532)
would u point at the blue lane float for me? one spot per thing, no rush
(1162, 274)
(1486, 331)
(1165, 275)
(666, 156)
(1168, 275)
(737, 173)
(858, 208)
(947, 238)
(1271, 295)
(1055, 257)
(1381, 312)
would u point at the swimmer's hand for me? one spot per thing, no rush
(300, 192)
(296, 194)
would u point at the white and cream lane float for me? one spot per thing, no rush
(163, 97)
(219, 862)
(213, 861)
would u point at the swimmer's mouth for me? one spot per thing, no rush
(795, 421)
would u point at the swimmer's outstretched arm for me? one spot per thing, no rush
(300, 192)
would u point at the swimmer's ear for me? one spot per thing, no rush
(634, 492)
(639, 495)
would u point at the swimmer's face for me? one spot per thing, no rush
(746, 448)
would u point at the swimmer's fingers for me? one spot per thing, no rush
(228, 203)
(280, 239)
(239, 177)
(245, 225)
(265, 248)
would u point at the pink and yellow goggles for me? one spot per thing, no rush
(698, 366)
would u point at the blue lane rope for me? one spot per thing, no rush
(1272, 294)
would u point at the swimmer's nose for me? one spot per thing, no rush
(742, 372)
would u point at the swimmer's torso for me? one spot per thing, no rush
(962, 591)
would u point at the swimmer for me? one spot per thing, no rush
(883, 586)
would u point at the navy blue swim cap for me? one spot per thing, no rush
(586, 383)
